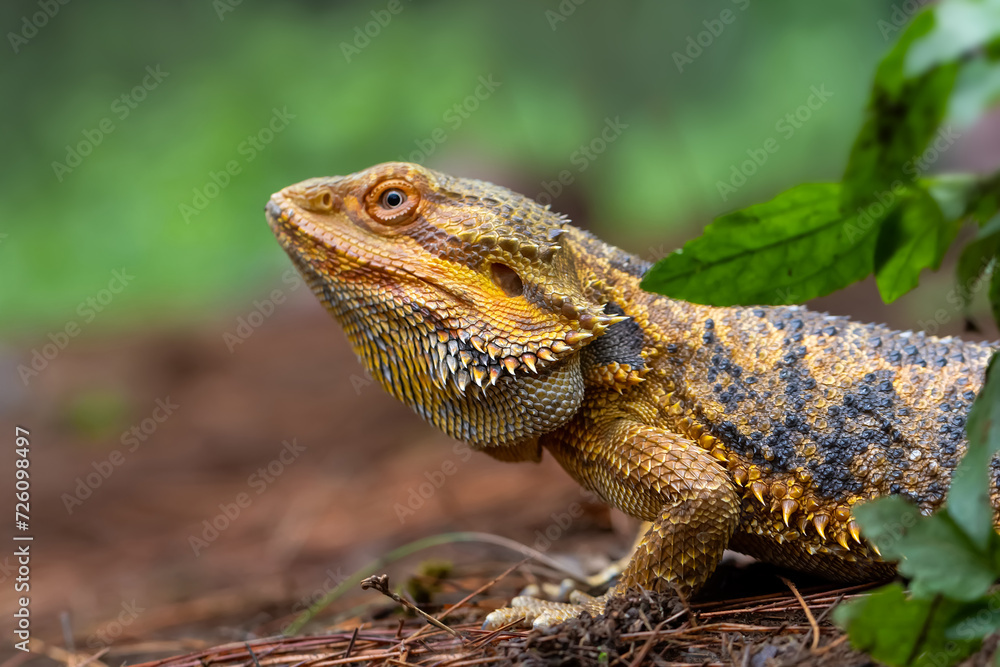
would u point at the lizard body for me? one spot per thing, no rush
(756, 429)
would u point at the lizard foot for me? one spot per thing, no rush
(544, 613)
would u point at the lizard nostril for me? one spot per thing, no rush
(313, 197)
(323, 201)
(507, 279)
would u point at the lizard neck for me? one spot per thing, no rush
(400, 347)
(615, 275)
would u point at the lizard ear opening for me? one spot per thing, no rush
(507, 279)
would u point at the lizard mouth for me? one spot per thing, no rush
(288, 231)
(280, 223)
(291, 229)
(272, 210)
(279, 219)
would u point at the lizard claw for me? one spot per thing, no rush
(544, 613)
(549, 591)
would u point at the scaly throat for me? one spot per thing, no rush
(402, 347)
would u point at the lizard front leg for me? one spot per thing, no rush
(656, 476)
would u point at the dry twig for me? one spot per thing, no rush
(380, 582)
(809, 615)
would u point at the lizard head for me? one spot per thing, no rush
(453, 285)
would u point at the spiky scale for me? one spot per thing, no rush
(559, 347)
(528, 360)
(842, 540)
(820, 522)
(788, 508)
(575, 338)
(610, 320)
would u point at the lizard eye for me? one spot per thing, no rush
(393, 198)
(392, 202)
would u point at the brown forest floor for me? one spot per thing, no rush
(117, 579)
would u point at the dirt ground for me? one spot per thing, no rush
(185, 495)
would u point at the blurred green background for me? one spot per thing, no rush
(692, 112)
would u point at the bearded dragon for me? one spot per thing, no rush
(754, 429)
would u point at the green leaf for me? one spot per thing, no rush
(900, 630)
(978, 254)
(933, 551)
(969, 501)
(976, 620)
(987, 201)
(954, 193)
(885, 522)
(977, 88)
(995, 295)
(796, 247)
(915, 236)
(960, 26)
(902, 116)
